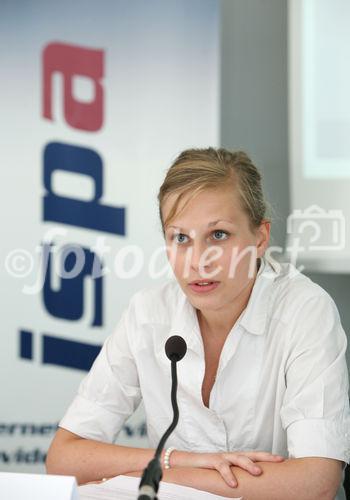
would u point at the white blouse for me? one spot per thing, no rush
(281, 384)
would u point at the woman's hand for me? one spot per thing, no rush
(223, 462)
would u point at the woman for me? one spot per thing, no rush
(265, 367)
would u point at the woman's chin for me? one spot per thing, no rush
(208, 302)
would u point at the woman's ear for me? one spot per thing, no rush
(263, 237)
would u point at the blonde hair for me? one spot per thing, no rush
(195, 170)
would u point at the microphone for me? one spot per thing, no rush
(175, 349)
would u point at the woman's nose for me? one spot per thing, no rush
(199, 257)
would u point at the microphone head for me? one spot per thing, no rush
(175, 348)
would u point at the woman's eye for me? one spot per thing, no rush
(180, 238)
(220, 235)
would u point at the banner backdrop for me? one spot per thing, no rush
(96, 100)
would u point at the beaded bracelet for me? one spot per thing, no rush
(167, 457)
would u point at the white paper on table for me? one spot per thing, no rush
(126, 488)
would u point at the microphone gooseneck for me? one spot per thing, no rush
(175, 349)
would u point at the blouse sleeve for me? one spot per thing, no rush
(110, 392)
(315, 410)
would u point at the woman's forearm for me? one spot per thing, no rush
(91, 461)
(305, 479)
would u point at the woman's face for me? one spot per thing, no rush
(211, 241)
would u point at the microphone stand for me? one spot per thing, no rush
(152, 474)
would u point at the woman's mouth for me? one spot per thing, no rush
(203, 286)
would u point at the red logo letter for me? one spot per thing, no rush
(70, 61)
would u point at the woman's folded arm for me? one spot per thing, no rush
(90, 460)
(310, 478)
